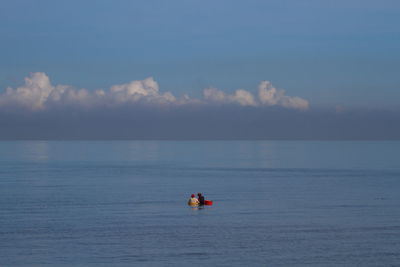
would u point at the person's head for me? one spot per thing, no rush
(199, 194)
(192, 195)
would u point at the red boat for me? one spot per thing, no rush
(208, 202)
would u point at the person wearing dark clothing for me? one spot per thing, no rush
(200, 198)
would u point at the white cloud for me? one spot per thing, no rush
(241, 97)
(34, 94)
(267, 95)
(244, 98)
(135, 91)
(38, 93)
(214, 95)
(271, 96)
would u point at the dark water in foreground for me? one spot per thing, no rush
(124, 203)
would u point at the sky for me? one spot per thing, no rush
(280, 69)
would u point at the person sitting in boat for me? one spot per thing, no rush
(200, 197)
(193, 201)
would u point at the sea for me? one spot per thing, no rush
(275, 203)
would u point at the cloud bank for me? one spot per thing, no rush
(39, 94)
(140, 110)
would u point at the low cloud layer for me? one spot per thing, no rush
(193, 122)
(39, 94)
(140, 110)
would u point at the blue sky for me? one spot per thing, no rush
(328, 52)
(314, 70)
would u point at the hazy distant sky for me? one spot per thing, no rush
(326, 55)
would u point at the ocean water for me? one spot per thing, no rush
(123, 203)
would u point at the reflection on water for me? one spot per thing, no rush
(35, 151)
(38, 151)
(143, 150)
(214, 154)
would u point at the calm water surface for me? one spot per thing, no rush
(124, 203)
